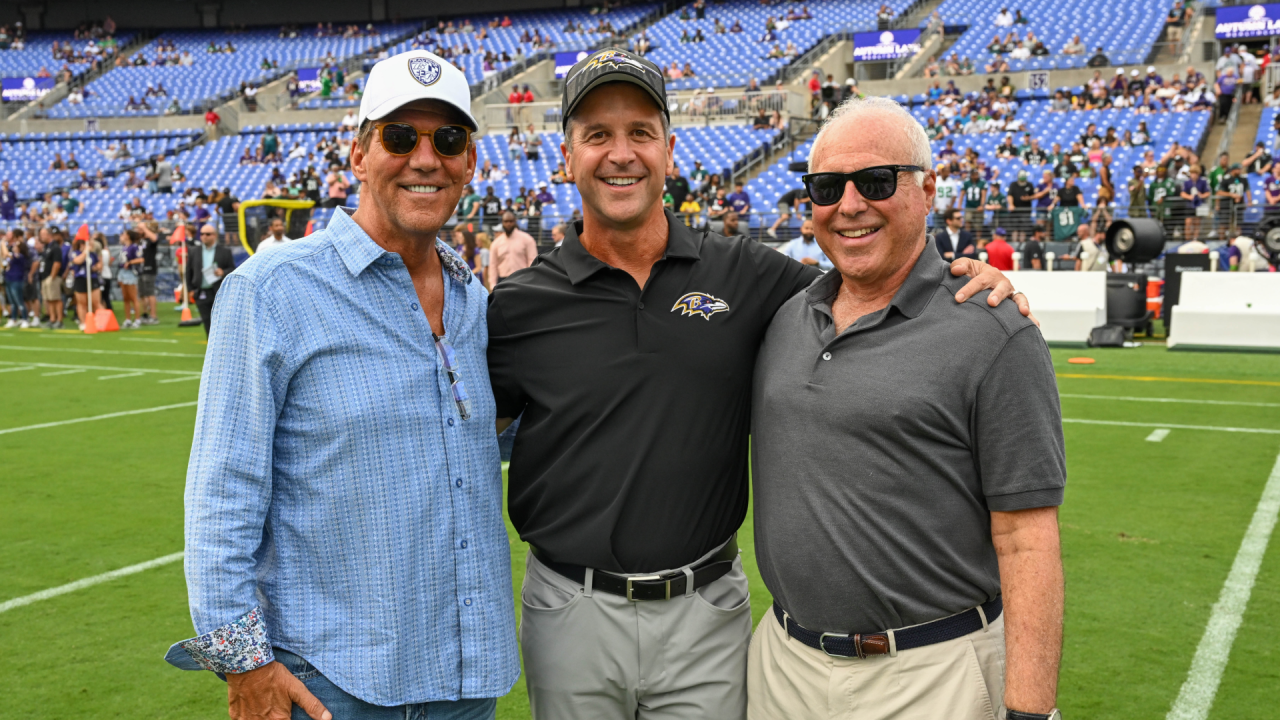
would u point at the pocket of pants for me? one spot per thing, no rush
(729, 594)
(539, 595)
(295, 664)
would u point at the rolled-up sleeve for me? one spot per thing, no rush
(228, 491)
(1017, 420)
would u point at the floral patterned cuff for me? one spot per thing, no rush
(236, 647)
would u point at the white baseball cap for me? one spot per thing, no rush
(414, 75)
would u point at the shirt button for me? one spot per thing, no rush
(450, 422)
(458, 482)
(826, 356)
(414, 306)
(467, 601)
(641, 306)
(464, 543)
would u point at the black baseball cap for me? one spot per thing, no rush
(612, 65)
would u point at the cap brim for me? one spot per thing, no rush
(390, 105)
(617, 77)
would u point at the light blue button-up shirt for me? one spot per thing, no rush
(337, 504)
(798, 249)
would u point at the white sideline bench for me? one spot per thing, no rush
(1069, 305)
(1227, 310)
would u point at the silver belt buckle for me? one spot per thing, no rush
(644, 578)
(822, 643)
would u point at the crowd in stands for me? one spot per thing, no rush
(1121, 37)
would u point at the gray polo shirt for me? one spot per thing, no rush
(878, 455)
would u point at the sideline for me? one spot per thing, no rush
(87, 582)
(1264, 431)
(1148, 378)
(100, 367)
(105, 352)
(73, 421)
(1169, 400)
(1198, 692)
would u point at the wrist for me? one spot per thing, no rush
(1054, 714)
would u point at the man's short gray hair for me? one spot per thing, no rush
(921, 153)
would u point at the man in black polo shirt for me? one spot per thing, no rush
(147, 274)
(628, 351)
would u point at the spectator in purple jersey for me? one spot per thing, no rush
(129, 267)
(739, 200)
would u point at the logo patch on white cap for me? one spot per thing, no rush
(424, 70)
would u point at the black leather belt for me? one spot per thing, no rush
(861, 645)
(650, 587)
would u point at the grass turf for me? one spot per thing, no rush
(1149, 529)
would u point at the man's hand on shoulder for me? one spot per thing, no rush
(269, 693)
(984, 277)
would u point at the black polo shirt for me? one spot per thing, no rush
(632, 453)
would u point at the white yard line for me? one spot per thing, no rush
(101, 352)
(125, 375)
(1158, 434)
(1168, 400)
(88, 582)
(108, 416)
(17, 369)
(1196, 697)
(179, 379)
(155, 340)
(60, 372)
(1265, 431)
(100, 367)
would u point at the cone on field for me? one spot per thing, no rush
(90, 326)
(106, 321)
(177, 294)
(186, 316)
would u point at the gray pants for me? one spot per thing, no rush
(597, 656)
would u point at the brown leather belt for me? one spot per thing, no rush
(650, 587)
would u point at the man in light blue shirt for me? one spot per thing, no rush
(806, 249)
(345, 548)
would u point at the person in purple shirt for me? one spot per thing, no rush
(544, 195)
(739, 200)
(8, 199)
(16, 266)
(1046, 194)
(1194, 191)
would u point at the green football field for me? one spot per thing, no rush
(1150, 528)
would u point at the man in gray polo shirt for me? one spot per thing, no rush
(908, 463)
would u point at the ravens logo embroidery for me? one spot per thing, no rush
(696, 303)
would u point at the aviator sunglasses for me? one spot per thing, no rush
(402, 138)
(874, 183)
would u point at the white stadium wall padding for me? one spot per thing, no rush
(1069, 305)
(1219, 310)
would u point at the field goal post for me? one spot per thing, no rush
(254, 216)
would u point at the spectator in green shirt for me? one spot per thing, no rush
(975, 199)
(1161, 188)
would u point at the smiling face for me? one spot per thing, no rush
(414, 194)
(869, 240)
(618, 155)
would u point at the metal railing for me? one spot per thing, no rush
(687, 107)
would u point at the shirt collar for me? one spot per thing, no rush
(580, 264)
(358, 251)
(910, 300)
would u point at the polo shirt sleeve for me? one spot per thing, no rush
(779, 275)
(503, 366)
(1017, 427)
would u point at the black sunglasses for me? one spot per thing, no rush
(402, 138)
(874, 183)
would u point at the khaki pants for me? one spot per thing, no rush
(595, 656)
(961, 679)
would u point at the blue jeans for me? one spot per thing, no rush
(13, 290)
(348, 707)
